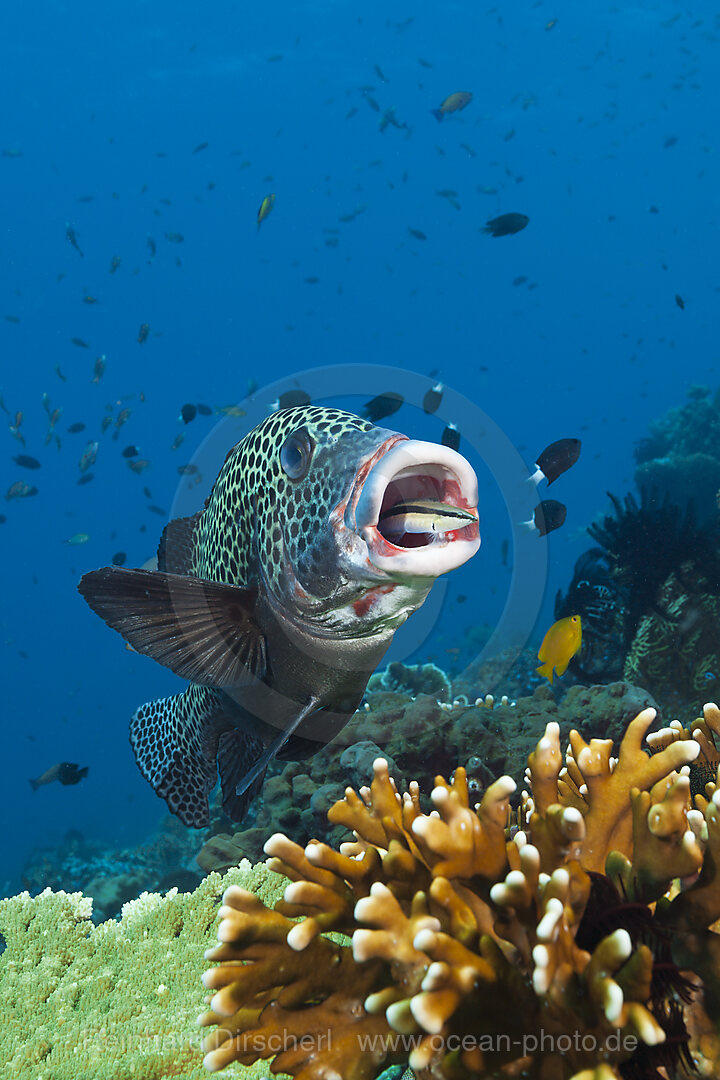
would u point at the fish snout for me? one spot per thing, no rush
(417, 510)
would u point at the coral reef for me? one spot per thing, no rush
(509, 672)
(647, 542)
(656, 573)
(649, 598)
(676, 650)
(680, 459)
(551, 949)
(116, 1001)
(420, 738)
(594, 595)
(113, 876)
(413, 679)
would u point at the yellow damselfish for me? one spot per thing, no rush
(560, 644)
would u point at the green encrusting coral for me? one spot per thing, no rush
(115, 1001)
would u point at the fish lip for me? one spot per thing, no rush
(426, 469)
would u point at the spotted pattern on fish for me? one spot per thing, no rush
(241, 523)
(176, 746)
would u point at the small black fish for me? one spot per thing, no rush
(291, 399)
(157, 510)
(505, 225)
(201, 146)
(381, 406)
(79, 342)
(187, 470)
(432, 399)
(26, 461)
(679, 301)
(188, 413)
(130, 451)
(556, 459)
(86, 478)
(548, 516)
(451, 437)
(143, 333)
(76, 428)
(204, 410)
(119, 558)
(64, 771)
(72, 237)
(417, 234)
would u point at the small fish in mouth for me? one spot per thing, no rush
(422, 517)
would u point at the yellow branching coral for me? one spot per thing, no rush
(474, 949)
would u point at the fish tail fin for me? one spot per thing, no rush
(438, 114)
(546, 669)
(34, 785)
(176, 741)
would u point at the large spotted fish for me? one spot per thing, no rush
(321, 535)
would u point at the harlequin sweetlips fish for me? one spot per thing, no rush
(280, 597)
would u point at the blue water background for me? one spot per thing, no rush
(584, 127)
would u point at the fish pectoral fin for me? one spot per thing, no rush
(204, 631)
(258, 768)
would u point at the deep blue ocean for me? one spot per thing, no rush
(151, 133)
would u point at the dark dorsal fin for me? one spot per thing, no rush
(175, 550)
(202, 630)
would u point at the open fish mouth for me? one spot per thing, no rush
(417, 509)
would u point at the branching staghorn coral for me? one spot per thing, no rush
(439, 940)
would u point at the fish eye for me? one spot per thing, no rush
(296, 455)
